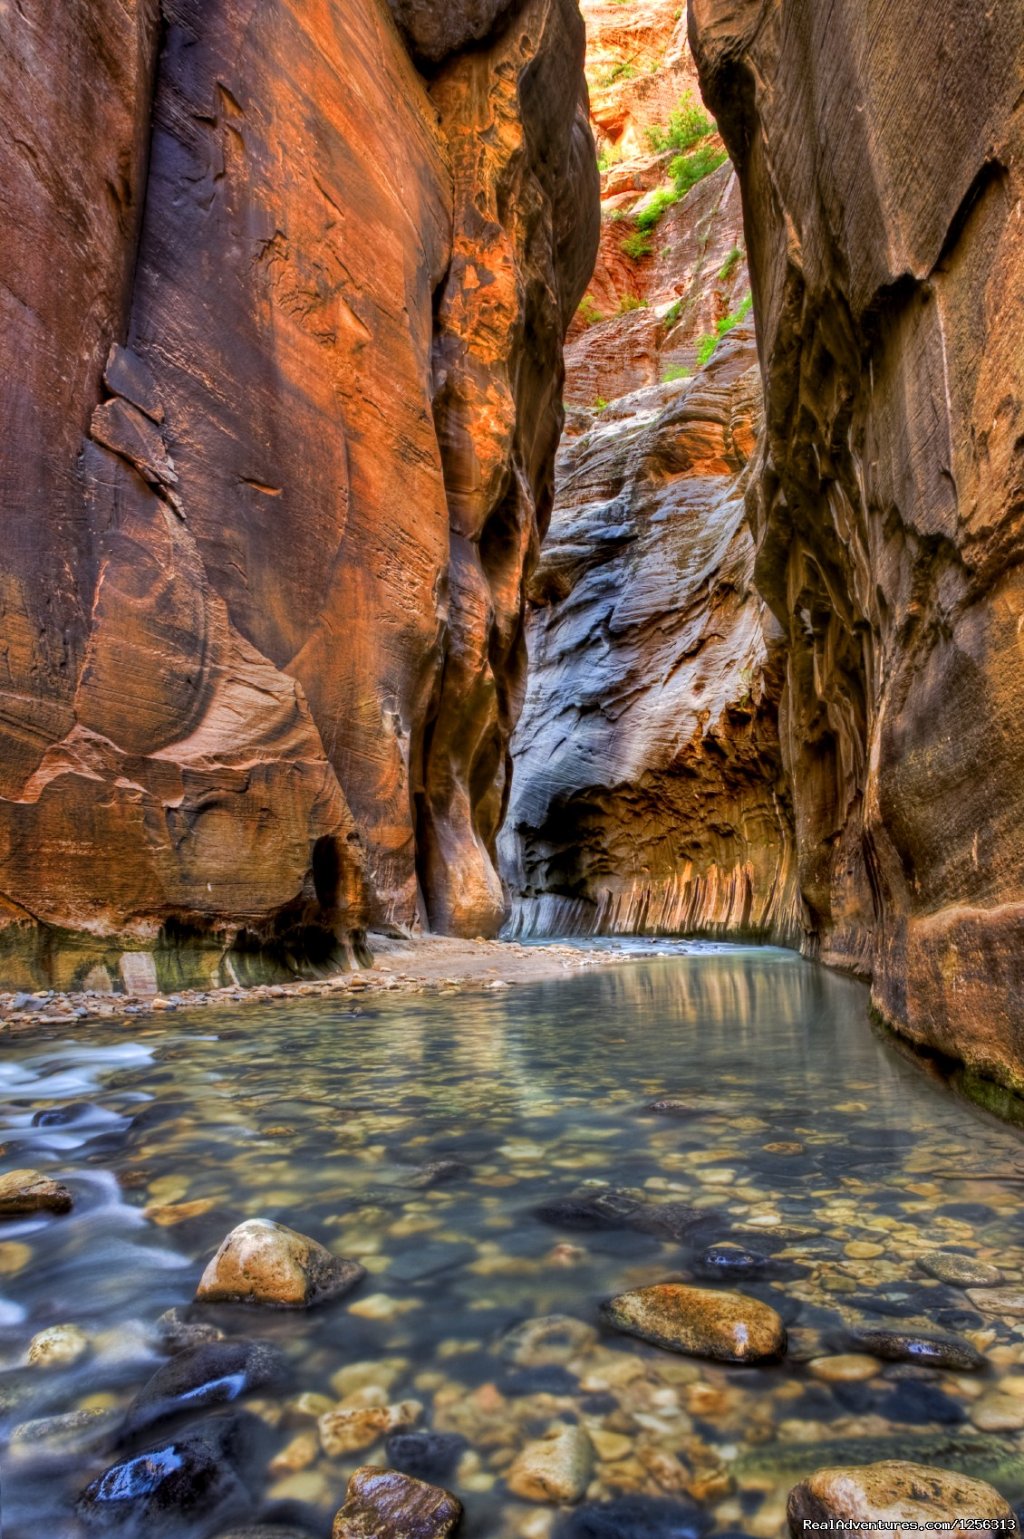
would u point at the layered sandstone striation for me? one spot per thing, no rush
(282, 316)
(648, 794)
(880, 149)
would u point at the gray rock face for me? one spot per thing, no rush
(647, 793)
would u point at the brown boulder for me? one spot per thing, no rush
(27, 1191)
(701, 1322)
(893, 1494)
(383, 1503)
(262, 1262)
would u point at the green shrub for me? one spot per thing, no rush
(660, 200)
(600, 403)
(687, 170)
(710, 340)
(636, 246)
(630, 302)
(674, 372)
(686, 126)
(730, 264)
(588, 312)
(673, 313)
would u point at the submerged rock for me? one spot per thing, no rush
(998, 1301)
(430, 1456)
(556, 1468)
(701, 1322)
(929, 1351)
(352, 1430)
(73, 1432)
(178, 1332)
(194, 1480)
(549, 1340)
(262, 1262)
(60, 1346)
(28, 1191)
(893, 1494)
(214, 1373)
(383, 1504)
(729, 1257)
(949, 1266)
(633, 1517)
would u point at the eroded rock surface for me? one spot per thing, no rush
(880, 152)
(283, 325)
(648, 793)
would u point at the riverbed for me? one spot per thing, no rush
(454, 1145)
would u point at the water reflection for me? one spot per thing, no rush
(799, 1133)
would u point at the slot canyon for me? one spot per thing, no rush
(511, 768)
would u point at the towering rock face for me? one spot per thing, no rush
(881, 148)
(648, 793)
(282, 327)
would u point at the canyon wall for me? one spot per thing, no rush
(648, 794)
(284, 294)
(880, 147)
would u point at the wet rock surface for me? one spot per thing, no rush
(262, 1262)
(182, 1486)
(385, 1502)
(929, 1351)
(199, 1377)
(704, 1322)
(893, 1493)
(27, 1191)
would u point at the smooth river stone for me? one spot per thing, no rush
(928, 1351)
(262, 1262)
(59, 1346)
(382, 1503)
(894, 1494)
(961, 1271)
(556, 1468)
(845, 1368)
(702, 1322)
(998, 1301)
(352, 1430)
(213, 1373)
(28, 1191)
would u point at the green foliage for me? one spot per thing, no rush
(673, 313)
(686, 126)
(730, 264)
(600, 403)
(630, 302)
(588, 312)
(687, 170)
(710, 340)
(624, 70)
(609, 156)
(674, 372)
(636, 246)
(660, 200)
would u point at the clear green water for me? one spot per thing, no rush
(806, 1135)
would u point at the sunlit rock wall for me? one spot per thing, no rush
(282, 320)
(880, 147)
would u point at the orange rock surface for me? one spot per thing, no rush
(282, 325)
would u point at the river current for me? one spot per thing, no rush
(432, 1139)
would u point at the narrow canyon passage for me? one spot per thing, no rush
(502, 1164)
(511, 768)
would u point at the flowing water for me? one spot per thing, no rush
(803, 1136)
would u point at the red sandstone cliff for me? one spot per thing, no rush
(881, 152)
(282, 314)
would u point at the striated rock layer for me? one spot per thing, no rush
(881, 151)
(282, 330)
(648, 793)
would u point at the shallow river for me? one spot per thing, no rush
(806, 1138)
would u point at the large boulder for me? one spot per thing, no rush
(263, 1262)
(702, 1322)
(903, 1499)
